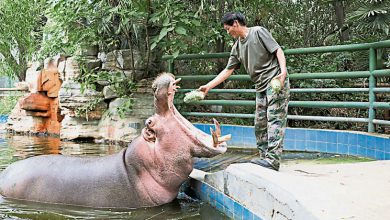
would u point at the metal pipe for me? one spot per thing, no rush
(325, 49)
(225, 102)
(305, 104)
(210, 77)
(381, 122)
(171, 66)
(338, 48)
(227, 115)
(324, 118)
(304, 90)
(385, 105)
(290, 117)
(371, 94)
(325, 75)
(197, 56)
(223, 90)
(330, 90)
(330, 75)
(327, 104)
(12, 89)
(382, 89)
(379, 73)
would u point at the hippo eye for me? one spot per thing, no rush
(149, 122)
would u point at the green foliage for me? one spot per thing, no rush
(71, 25)
(179, 24)
(75, 24)
(7, 103)
(20, 35)
(372, 16)
(84, 110)
(125, 108)
(119, 83)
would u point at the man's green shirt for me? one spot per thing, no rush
(257, 54)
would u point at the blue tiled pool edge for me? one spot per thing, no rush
(222, 202)
(315, 140)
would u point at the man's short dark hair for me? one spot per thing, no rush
(230, 17)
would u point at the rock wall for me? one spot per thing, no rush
(103, 122)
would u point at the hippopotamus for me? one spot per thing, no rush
(148, 172)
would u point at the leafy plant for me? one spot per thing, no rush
(76, 24)
(20, 35)
(119, 83)
(85, 109)
(178, 21)
(8, 102)
(372, 15)
(71, 25)
(125, 107)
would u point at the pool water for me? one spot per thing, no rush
(14, 147)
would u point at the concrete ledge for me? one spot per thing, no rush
(255, 188)
(299, 191)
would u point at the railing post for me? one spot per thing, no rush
(371, 86)
(379, 60)
(171, 66)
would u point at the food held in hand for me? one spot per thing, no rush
(276, 85)
(193, 96)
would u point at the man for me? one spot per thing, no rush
(264, 60)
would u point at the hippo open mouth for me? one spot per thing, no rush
(165, 86)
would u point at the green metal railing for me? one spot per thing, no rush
(371, 74)
(5, 92)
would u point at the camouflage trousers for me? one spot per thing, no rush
(271, 121)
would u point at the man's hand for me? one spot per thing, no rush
(282, 63)
(281, 77)
(224, 74)
(204, 89)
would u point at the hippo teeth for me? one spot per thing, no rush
(215, 137)
(224, 138)
(217, 127)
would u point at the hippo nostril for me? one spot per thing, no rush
(148, 134)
